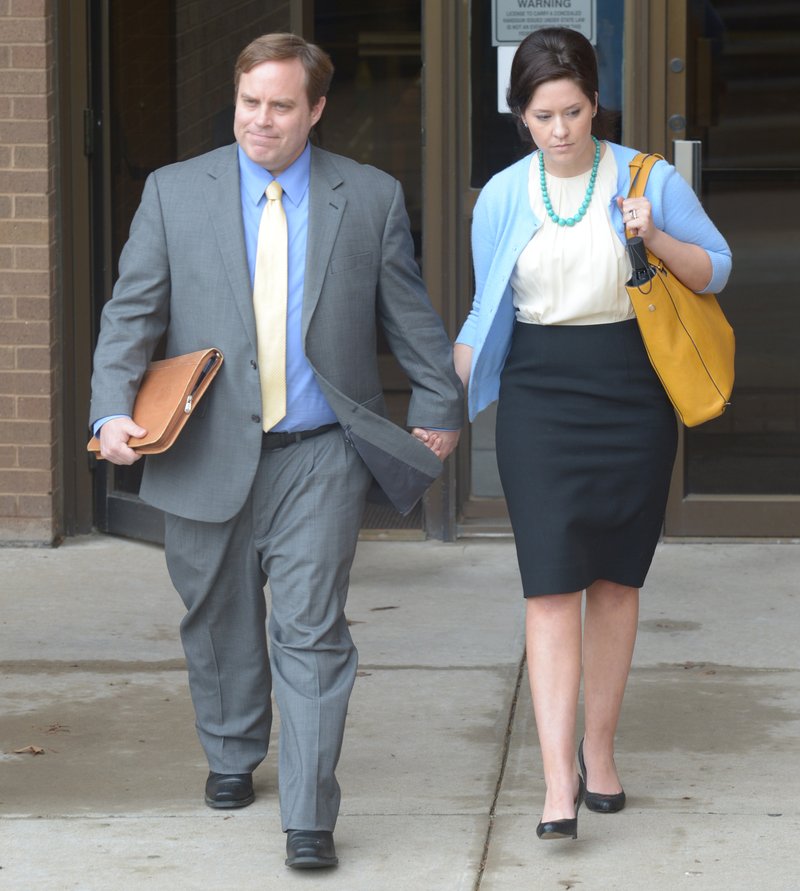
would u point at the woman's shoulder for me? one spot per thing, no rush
(502, 193)
(624, 154)
(506, 181)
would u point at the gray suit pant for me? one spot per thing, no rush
(299, 529)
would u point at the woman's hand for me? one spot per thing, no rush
(440, 442)
(689, 262)
(636, 214)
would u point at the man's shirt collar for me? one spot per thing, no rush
(294, 180)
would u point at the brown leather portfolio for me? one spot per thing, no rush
(168, 394)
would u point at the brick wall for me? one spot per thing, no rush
(29, 379)
(31, 386)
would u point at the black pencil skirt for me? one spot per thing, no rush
(586, 440)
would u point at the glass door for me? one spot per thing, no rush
(162, 90)
(492, 143)
(162, 77)
(740, 474)
(374, 115)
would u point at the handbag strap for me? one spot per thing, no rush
(640, 168)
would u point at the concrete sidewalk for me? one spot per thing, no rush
(441, 776)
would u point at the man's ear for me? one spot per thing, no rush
(316, 111)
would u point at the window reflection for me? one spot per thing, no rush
(744, 109)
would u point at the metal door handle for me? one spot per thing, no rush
(687, 155)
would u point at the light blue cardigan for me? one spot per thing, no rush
(503, 223)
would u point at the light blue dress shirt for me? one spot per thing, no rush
(306, 407)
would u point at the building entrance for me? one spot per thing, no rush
(723, 75)
(162, 76)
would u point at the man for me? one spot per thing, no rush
(253, 491)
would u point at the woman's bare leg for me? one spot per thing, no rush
(609, 636)
(553, 641)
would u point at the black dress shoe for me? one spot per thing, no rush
(563, 828)
(600, 804)
(225, 790)
(310, 849)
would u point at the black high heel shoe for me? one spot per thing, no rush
(563, 828)
(600, 804)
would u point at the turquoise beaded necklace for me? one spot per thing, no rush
(570, 221)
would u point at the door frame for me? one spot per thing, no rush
(74, 122)
(115, 511)
(441, 250)
(655, 54)
(656, 49)
(125, 514)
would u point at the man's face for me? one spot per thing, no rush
(273, 117)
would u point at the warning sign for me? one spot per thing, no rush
(513, 20)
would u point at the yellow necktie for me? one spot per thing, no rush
(270, 294)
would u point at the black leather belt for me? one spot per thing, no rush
(273, 441)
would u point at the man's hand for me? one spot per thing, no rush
(114, 436)
(440, 442)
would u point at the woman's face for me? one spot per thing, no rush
(559, 118)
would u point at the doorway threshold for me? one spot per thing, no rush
(484, 527)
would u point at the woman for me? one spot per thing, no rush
(586, 437)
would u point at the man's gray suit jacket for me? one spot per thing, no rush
(184, 271)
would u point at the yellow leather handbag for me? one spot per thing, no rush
(687, 337)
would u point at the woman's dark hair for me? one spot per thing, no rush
(554, 54)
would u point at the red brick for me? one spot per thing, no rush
(33, 408)
(5, 57)
(35, 505)
(24, 232)
(24, 182)
(29, 108)
(27, 83)
(35, 258)
(29, 8)
(22, 531)
(25, 30)
(8, 408)
(34, 308)
(25, 283)
(26, 383)
(25, 132)
(22, 482)
(24, 433)
(35, 56)
(31, 207)
(28, 359)
(8, 505)
(36, 458)
(31, 157)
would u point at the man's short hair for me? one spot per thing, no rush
(281, 47)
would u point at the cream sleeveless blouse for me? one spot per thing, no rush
(573, 275)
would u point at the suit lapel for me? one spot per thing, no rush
(326, 204)
(223, 197)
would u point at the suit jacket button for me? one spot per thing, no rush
(256, 419)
